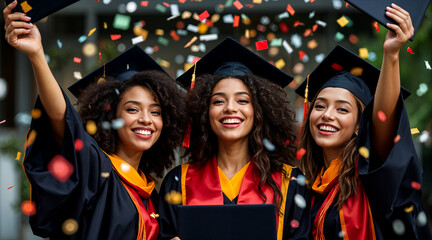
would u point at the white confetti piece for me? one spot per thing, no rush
(424, 136)
(106, 125)
(268, 145)
(283, 15)
(428, 67)
(137, 40)
(300, 201)
(319, 58)
(182, 32)
(398, 227)
(301, 180)
(312, 14)
(125, 167)
(175, 10)
(77, 75)
(321, 23)
(131, 7)
(117, 123)
(296, 40)
(208, 37)
(337, 4)
(192, 28)
(421, 219)
(228, 19)
(149, 50)
(287, 47)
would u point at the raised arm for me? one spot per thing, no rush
(24, 36)
(388, 88)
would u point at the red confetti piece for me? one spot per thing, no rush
(294, 223)
(300, 153)
(249, 5)
(28, 208)
(314, 27)
(298, 23)
(209, 23)
(375, 24)
(283, 27)
(100, 55)
(307, 32)
(290, 10)
(301, 55)
(156, 48)
(416, 185)
(337, 67)
(238, 4)
(261, 28)
(236, 21)
(181, 1)
(396, 139)
(287, 142)
(60, 168)
(144, 3)
(261, 45)
(77, 60)
(78, 145)
(346, 5)
(204, 15)
(353, 39)
(174, 35)
(166, 4)
(410, 50)
(115, 37)
(11, 187)
(381, 116)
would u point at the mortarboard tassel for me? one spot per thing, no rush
(186, 138)
(305, 108)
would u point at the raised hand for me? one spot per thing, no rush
(402, 31)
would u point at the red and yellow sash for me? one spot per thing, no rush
(201, 186)
(137, 187)
(355, 215)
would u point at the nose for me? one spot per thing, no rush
(145, 118)
(328, 115)
(230, 107)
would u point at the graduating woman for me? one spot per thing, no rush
(98, 187)
(242, 142)
(367, 195)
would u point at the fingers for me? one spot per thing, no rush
(18, 25)
(403, 19)
(8, 8)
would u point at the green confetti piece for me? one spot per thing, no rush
(163, 41)
(277, 42)
(160, 8)
(121, 22)
(229, 3)
(339, 37)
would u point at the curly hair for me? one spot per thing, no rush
(99, 102)
(273, 120)
(312, 161)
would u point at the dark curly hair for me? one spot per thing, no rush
(99, 103)
(273, 120)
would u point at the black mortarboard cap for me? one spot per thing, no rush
(120, 68)
(344, 69)
(38, 9)
(377, 8)
(230, 58)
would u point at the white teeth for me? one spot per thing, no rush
(231, 121)
(142, 132)
(327, 128)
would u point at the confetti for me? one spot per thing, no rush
(280, 63)
(396, 139)
(342, 21)
(115, 36)
(287, 142)
(428, 66)
(2, 121)
(11, 187)
(137, 40)
(91, 31)
(424, 136)
(421, 219)
(77, 60)
(91, 127)
(299, 201)
(398, 227)
(18, 156)
(268, 145)
(175, 12)
(261, 45)
(381, 116)
(236, 21)
(287, 47)
(160, 8)
(414, 131)
(376, 26)
(204, 15)
(312, 44)
(409, 209)
(339, 37)
(294, 223)
(208, 37)
(191, 42)
(60, 168)
(173, 197)
(364, 152)
(144, 3)
(105, 174)
(70, 226)
(163, 41)
(290, 9)
(300, 153)
(302, 54)
(301, 180)
(25, 7)
(410, 50)
(28, 208)
(321, 23)
(238, 5)
(59, 43)
(125, 167)
(416, 185)
(79, 144)
(356, 71)
(77, 75)
(82, 38)
(121, 22)
(298, 23)
(296, 40)
(192, 28)
(257, 1)
(30, 139)
(341, 234)
(154, 215)
(353, 39)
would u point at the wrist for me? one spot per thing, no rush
(392, 56)
(36, 56)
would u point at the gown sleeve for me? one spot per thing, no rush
(295, 213)
(168, 211)
(53, 198)
(388, 184)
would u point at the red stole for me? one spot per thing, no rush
(201, 186)
(137, 187)
(355, 214)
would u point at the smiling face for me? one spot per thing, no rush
(142, 116)
(333, 118)
(231, 113)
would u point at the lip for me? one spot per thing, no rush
(231, 125)
(144, 129)
(326, 133)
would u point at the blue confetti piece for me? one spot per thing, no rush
(268, 145)
(59, 43)
(82, 38)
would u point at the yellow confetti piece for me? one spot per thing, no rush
(18, 156)
(30, 139)
(105, 174)
(247, 33)
(396, 139)
(364, 152)
(159, 32)
(36, 113)
(357, 71)
(191, 41)
(91, 127)
(164, 63)
(414, 131)
(312, 44)
(186, 14)
(364, 53)
(105, 25)
(409, 209)
(280, 63)
(154, 215)
(70, 226)
(91, 32)
(173, 197)
(342, 21)
(215, 17)
(202, 28)
(26, 7)
(257, 1)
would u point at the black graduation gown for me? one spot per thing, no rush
(168, 212)
(387, 185)
(101, 205)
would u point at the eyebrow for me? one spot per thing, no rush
(140, 104)
(223, 94)
(337, 101)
